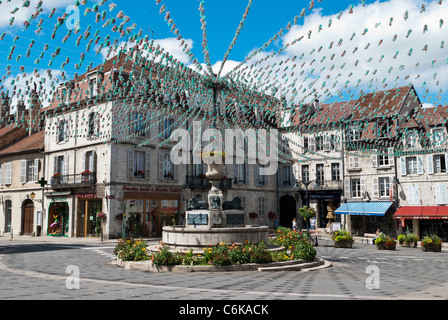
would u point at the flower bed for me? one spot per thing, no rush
(432, 243)
(131, 250)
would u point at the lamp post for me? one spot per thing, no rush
(306, 183)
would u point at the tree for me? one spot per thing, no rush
(307, 213)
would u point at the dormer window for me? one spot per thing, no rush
(411, 139)
(438, 136)
(383, 129)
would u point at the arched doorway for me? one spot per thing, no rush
(27, 217)
(287, 211)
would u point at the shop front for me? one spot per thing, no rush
(325, 203)
(88, 224)
(148, 210)
(423, 220)
(367, 217)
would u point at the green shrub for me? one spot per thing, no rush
(165, 257)
(341, 235)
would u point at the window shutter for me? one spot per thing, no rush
(66, 168)
(391, 154)
(55, 165)
(363, 186)
(350, 162)
(130, 164)
(446, 162)
(420, 164)
(430, 160)
(148, 165)
(403, 166)
(58, 127)
(327, 146)
(23, 171)
(443, 194)
(1, 174)
(161, 128)
(279, 176)
(8, 178)
(257, 172)
(83, 161)
(356, 161)
(161, 158)
(347, 188)
(175, 169)
(416, 195)
(36, 170)
(96, 124)
(437, 191)
(410, 195)
(375, 158)
(66, 130)
(246, 173)
(376, 192)
(95, 161)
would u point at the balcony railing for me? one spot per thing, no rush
(73, 180)
(322, 185)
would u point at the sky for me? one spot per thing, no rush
(333, 50)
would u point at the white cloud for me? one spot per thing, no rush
(330, 61)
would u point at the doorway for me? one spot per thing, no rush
(287, 211)
(27, 217)
(88, 223)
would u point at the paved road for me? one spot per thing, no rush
(41, 271)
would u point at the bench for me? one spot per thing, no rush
(368, 237)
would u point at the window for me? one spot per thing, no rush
(240, 172)
(411, 139)
(320, 176)
(1, 173)
(29, 170)
(305, 173)
(384, 184)
(354, 132)
(305, 144)
(139, 124)
(439, 163)
(8, 213)
(438, 136)
(335, 172)
(333, 142)
(94, 125)
(167, 126)
(353, 161)
(355, 186)
(139, 164)
(383, 129)
(260, 180)
(384, 159)
(168, 172)
(319, 143)
(63, 131)
(411, 165)
(286, 176)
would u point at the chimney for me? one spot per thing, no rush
(5, 110)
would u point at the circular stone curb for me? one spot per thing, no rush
(294, 265)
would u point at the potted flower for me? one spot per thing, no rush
(432, 243)
(401, 239)
(342, 239)
(272, 215)
(85, 176)
(56, 178)
(384, 242)
(411, 240)
(253, 215)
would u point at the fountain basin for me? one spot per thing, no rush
(182, 239)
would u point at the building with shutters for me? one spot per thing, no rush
(422, 178)
(107, 149)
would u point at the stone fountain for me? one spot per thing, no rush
(215, 220)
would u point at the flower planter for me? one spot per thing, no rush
(431, 248)
(343, 244)
(410, 244)
(384, 246)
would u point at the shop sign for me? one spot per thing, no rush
(86, 195)
(152, 189)
(328, 195)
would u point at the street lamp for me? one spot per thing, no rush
(307, 183)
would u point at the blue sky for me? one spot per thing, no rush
(375, 47)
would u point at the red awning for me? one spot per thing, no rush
(421, 212)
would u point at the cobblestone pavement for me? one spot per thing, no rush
(41, 271)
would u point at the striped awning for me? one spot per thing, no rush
(364, 208)
(422, 212)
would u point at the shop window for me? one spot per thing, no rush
(8, 214)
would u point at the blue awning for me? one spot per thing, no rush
(364, 208)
